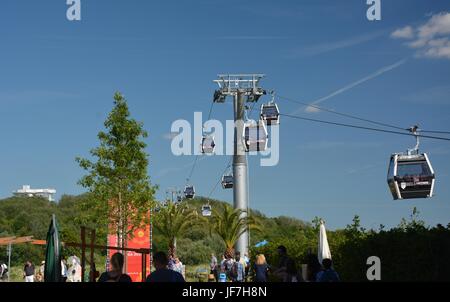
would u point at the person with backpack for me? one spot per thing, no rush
(116, 273)
(227, 265)
(328, 274)
(238, 269)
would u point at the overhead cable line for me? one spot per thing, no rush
(196, 156)
(435, 131)
(364, 128)
(342, 114)
(220, 178)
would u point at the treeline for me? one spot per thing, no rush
(411, 251)
(31, 217)
(22, 216)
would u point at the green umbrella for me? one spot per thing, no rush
(52, 272)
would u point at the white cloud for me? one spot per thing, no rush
(379, 72)
(252, 37)
(406, 32)
(169, 135)
(439, 48)
(312, 109)
(329, 46)
(432, 39)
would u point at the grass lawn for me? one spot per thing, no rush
(196, 273)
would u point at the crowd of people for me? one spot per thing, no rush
(239, 269)
(231, 268)
(36, 274)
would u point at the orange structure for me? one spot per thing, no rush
(141, 239)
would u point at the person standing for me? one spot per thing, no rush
(312, 268)
(28, 272)
(63, 270)
(286, 270)
(227, 266)
(171, 262)
(178, 266)
(328, 274)
(247, 264)
(3, 271)
(162, 273)
(222, 263)
(213, 265)
(261, 269)
(238, 269)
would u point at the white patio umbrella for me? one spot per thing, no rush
(324, 248)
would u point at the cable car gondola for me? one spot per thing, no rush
(189, 192)
(255, 136)
(411, 175)
(270, 114)
(227, 181)
(206, 210)
(208, 145)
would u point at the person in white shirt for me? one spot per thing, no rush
(63, 270)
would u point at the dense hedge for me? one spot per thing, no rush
(414, 253)
(409, 252)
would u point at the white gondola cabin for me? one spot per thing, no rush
(255, 136)
(206, 210)
(410, 176)
(208, 144)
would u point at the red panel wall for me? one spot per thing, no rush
(141, 239)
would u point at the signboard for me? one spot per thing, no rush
(141, 239)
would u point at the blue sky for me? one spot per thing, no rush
(57, 80)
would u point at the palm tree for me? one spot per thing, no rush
(230, 224)
(172, 221)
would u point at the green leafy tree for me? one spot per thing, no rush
(414, 223)
(230, 224)
(120, 190)
(173, 221)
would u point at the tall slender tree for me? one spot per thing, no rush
(117, 177)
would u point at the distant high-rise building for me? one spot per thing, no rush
(28, 192)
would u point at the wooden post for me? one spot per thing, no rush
(92, 266)
(83, 252)
(144, 266)
(151, 241)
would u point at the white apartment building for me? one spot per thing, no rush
(28, 192)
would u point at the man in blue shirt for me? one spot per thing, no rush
(162, 273)
(328, 274)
